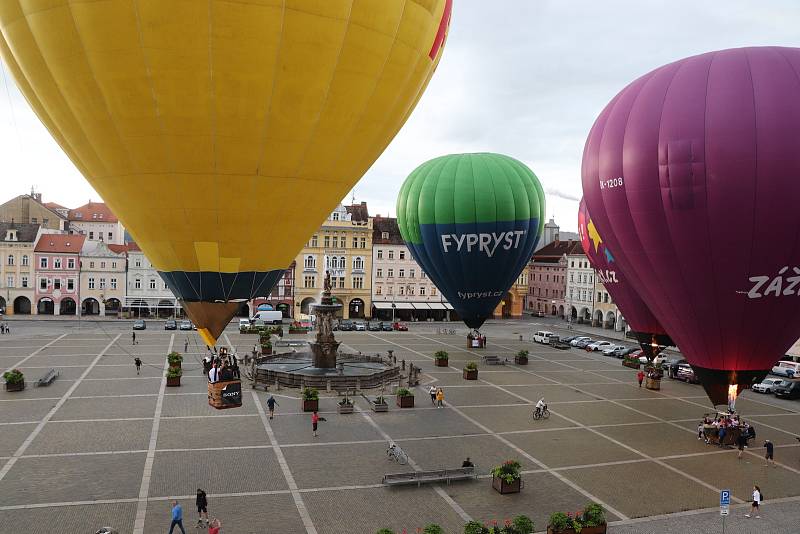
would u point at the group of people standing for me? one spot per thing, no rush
(4, 328)
(221, 367)
(437, 396)
(201, 501)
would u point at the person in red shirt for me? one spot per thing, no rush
(640, 377)
(315, 419)
(214, 526)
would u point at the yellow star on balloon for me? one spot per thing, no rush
(593, 235)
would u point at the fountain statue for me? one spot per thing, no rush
(325, 347)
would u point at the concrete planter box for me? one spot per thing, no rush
(600, 529)
(310, 405)
(384, 407)
(504, 487)
(631, 364)
(173, 382)
(653, 383)
(266, 351)
(19, 386)
(470, 374)
(345, 408)
(405, 402)
(521, 360)
(442, 363)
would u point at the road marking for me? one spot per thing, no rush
(37, 351)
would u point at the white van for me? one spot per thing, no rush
(268, 317)
(787, 369)
(542, 336)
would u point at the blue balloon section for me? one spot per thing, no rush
(474, 264)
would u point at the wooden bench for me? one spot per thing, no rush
(492, 360)
(48, 378)
(430, 477)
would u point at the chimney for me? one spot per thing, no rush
(37, 197)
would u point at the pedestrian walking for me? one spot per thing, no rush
(186, 345)
(133, 338)
(432, 391)
(440, 398)
(177, 517)
(769, 456)
(138, 363)
(315, 419)
(757, 498)
(271, 403)
(741, 443)
(640, 377)
(202, 507)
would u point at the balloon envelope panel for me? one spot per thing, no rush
(201, 123)
(472, 222)
(690, 174)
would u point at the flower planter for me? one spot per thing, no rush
(521, 360)
(631, 364)
(653, 383)
(470, 374)
(17, 386)
(310, 405)
(266, 351)
(406, 401)
(599, 529)
(173, 382)
(442, 362)
(345, 408)
(175, 365)
(382, 407)
(504, 487)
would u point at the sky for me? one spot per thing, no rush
(526, 78)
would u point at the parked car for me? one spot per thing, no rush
(787, 369)
(568, 339)
(580, 339)
(624, 351)
(542, 337)
(788, 389)
(660, 359)
(374, 326)
(360, 326)
(610, 350)
(139, 324)
(671, 366)
(346, 325)
(269, 316)
(386, 326)
(767, 385)
(186, 325)
(540, 314)
(170, 324)
(243, 323)
(686, 373)
(598, 345)
(400, 327)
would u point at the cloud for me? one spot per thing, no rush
(562, 195)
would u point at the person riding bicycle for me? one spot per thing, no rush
(541, 405)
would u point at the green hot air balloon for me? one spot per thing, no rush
(472, 222)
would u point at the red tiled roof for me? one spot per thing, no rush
(62, 243)
(558, 249)
(119, 249)
(92, 212)
(133, 247)
(54, 206)
(381, 225)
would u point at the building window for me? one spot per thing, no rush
(137, 283)
(113, 283)
(390, 273)
(70, 284)
(411, 290)
(110, 236)
(335, 216)
(11, 259)
(57, 283)
(379, 273)
(34, 220)
(423, 275)
(572, 264)
(314, 241)
(605, 297)
(56, 263)
(378, 290)
(152, 283)
(401, 273)
(43, 263)
(10, 280)
(102, 265)
(402, 254)
(358, 263)
(433, 291)
(91, 235)
(412, 273)
(358, 282)
(91, 265)
(342, 262)
(309, 281)
(380, 254)
(355, 242)
(113, 265)
(384, 235)
(402, 290)
(42, 283)
(138, 262)
(102, 283)
(70, 263)
(327, 241)
(91, 282)
(363, 242)
(310, 262)
(24, 260)
(422, 291)
(591, 279)
(391, 254)
(24, 281)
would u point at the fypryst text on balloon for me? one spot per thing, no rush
(482, 242)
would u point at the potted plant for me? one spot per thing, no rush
(174, 359)
(591, 520)
(471, 371)
(521, 524)
(506, 478)
(345, 406)
(379, 404)
(633, 363)
(441, 358)
(385, 531)
(310, 400)
(433, 528)
(15, 380)
(405, 398)
(521, 358)
(266, 347)
(174, 377)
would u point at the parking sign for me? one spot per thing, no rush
(725, 498)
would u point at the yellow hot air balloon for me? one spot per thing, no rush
(219, 132)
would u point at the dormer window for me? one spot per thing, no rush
(384, 235)
(11, 235)
(78, 215)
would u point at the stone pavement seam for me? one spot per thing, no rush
(284, 465)
(35, 432)
(37, 351)
(144, 488)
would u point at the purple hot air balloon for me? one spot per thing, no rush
(648, 331)
(692, 175)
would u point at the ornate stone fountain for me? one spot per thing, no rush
(325, 348)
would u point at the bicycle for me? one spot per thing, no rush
(397, 454)
(540, 413)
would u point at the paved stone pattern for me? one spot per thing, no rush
(633, 449)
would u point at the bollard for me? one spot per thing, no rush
(403, 365)
(328, 386)
(520, 337)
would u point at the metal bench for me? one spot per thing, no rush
(430, 477)
(48, 378)
(492, 360)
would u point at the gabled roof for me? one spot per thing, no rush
(557, 249)
(133, 247)
(60, 243)
(119, 249)
(54, 206)
(92, 212)
(359, 212)
(381, 225)
(26, 232)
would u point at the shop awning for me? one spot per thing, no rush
(421, 306)
(403, 306)
(437, 306)
(448, 306)
(383, 305)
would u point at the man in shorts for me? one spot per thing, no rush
(768, 457)
(202, 507)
